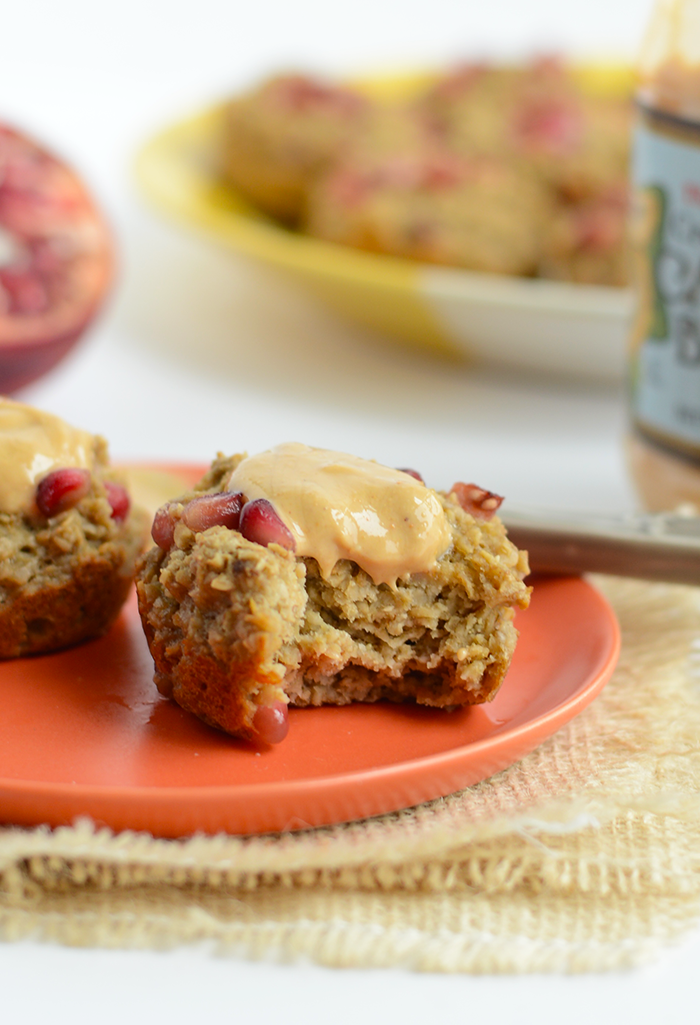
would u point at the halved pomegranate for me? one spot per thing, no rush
(56, 259)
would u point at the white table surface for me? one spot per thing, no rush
(199, 351)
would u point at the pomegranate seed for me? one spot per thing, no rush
(260, 523)
(480, 503)
(271, 722)
(163, 528)
(220, 510)
(411, 473)
(61, 490)
(118, 498)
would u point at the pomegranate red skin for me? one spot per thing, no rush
(61, 490)
(57, 259)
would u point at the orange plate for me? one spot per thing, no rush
(84, 732)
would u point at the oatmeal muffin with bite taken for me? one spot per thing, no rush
(69, 537)
(304, 577)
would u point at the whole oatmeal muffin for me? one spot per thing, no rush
(588, 159)
(277, 137)
(306, 577)
(476, 107)
(432, 205)
(538, 116)
(539, 120)
(69, 538)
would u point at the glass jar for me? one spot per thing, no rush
(664, 354)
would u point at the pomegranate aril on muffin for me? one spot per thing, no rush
(260, 523)
(271, 722)
(163, 527)
(301, 93)
(482, 504)
(411, 473)
(220, 510)
(61, 490)
(119, 500)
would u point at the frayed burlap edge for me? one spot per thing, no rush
(584, 856)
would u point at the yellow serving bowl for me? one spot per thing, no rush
(524, 324)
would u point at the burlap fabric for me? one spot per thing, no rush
(584, 856)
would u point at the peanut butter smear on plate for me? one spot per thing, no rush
(32, 443)
(339, 506)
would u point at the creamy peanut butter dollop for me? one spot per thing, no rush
(33, 443)
(339, 506)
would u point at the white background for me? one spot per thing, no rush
(198, 351)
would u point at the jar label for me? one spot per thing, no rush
(665, 247)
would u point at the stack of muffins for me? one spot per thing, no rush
(507, 170)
